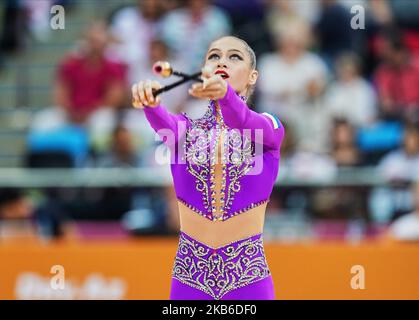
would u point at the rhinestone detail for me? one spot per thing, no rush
(225, 217)
(202, 138)
(217, 271)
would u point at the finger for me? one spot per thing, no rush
(137, 105)
(135, 97)
(207, 91)
(149, 92)
(156, 85)
(197, 95)
(213, 82)
(205, 94)
(206, 72)
(205, 83)
(141, 93)
(134, 91)
(212, 89)
(197, 86)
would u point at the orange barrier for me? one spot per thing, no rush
(140, 269)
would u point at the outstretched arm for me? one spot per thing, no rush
(167, 125)
(235, 111)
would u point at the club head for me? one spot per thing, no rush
(162, 68)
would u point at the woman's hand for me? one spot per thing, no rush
(142, 94)
(214, 87)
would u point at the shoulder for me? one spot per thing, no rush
(274, 120)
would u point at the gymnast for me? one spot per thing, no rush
(225, 167)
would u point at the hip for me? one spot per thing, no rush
(219, 271)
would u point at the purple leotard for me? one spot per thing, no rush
(250, 162)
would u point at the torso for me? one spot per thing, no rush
(218, 233)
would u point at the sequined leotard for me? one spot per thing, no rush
(250, 162)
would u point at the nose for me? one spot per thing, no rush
(221, 64)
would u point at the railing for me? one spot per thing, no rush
(156, 177)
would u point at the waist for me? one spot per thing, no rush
(218, 233)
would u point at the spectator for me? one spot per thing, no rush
(242, 12)
(281, 11)
(290, 84)
(114, 202)
(381, 13)
(397, 80)
(175, 99)
(300, 164)
(406, 13)
(38, 13)
(310, 166)
(281, 14)
(379, 17)
(248, 22)
(333, 29)
(19, 217)
(403, 164)
(351, 96)
(87, 80)
(399, 168)
(14, 204)
(15, 214)
(135, 27)
(344, 149)
(406, 227)
(189, 31)
(135, 204)
(13, 23)
(122, 152)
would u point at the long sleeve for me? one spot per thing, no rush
(237, 115)
(167, 125)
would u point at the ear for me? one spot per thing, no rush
(254, 74)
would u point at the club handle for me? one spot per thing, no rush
(194, 77)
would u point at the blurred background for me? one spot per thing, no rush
(79, 182)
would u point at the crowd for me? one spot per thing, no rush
(348, 97)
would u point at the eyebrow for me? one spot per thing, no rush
(216, 49)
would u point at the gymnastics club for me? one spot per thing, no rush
(164, 69)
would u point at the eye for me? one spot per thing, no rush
(236, 56)
(214, 55)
